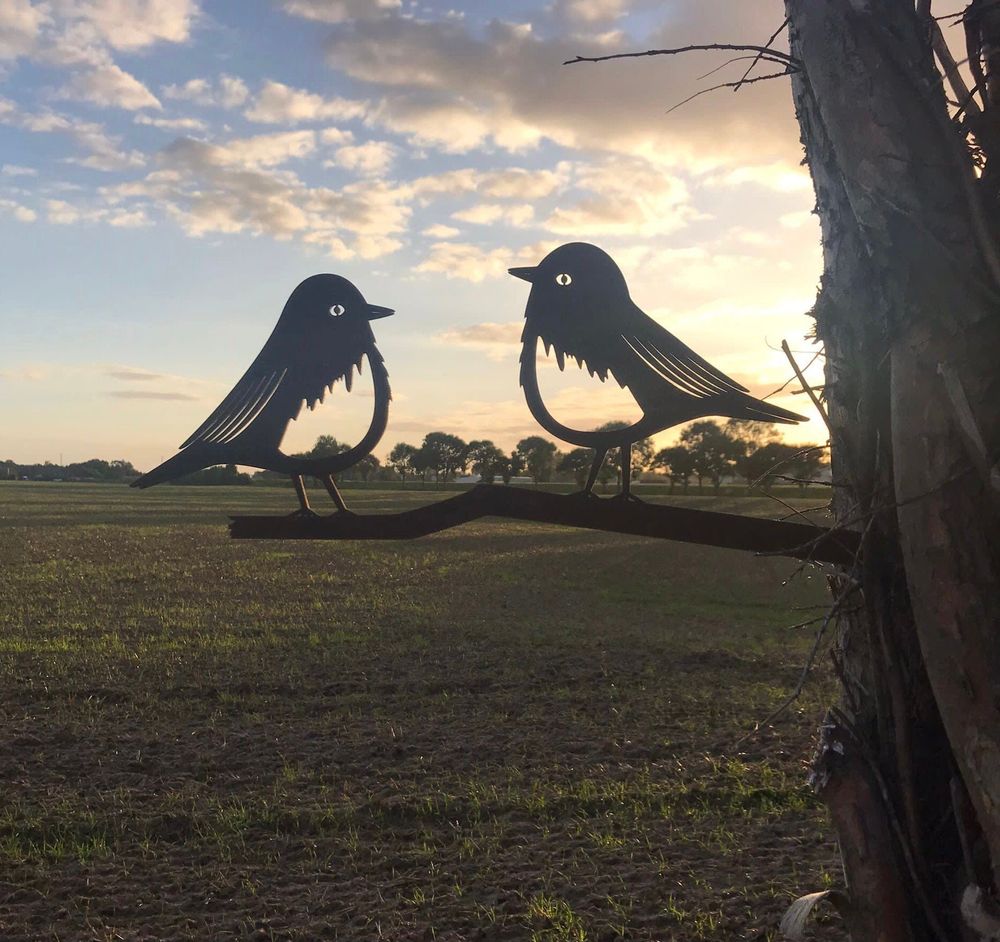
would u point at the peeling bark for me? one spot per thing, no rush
(909, 312)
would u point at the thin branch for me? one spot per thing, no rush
(758, 57)
(732, 85)
(728, 62)
(791, 379)
(805, 385)
(952, 72)
(766, 53)
(661, 521)
(785, 477)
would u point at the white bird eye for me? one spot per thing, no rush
(337, 310)
(564, 279)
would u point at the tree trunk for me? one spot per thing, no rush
(909, 313)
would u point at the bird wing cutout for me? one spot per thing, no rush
(244, 403)
(302, 366)
(681, 367)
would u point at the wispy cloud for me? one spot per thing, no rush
(152, 394)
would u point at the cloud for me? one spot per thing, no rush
(28, 374)
(439, 231)
(624, 197)
(509, 183)
(19, 212)
(227, 91)
(104, 152)
(281, 104)
(474, 263)
(171, 124)
(131, 24)
(132, 374)
(63, 213)
(515, 92)
(496, 340)
(371, 159)
(152, 394)
(109, 87)
(488, 214)
(15, 170)
(590, 11)
(235, 187)
(340, 11)
(20, 27)
(778, 175)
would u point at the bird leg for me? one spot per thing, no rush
(599, 455)
(626, 491)
(300, 491)
(331, 487)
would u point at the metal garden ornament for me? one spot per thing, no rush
(323, 334)
(580, 307)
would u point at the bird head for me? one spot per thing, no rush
(575, 286)
(334, 302)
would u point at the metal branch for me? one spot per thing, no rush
(755, 534)
(763, 51)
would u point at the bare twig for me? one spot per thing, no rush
(785, 477)
(952, 72)
(765, 53)
(732, 85)
(728, 62)
(807, 668)
(792, 378)
(757, 58)
(805, 385)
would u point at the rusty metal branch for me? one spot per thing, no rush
(708, 528)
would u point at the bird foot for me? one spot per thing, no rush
(631, 498)
(583, 495)
(340, 513)
(304, 513)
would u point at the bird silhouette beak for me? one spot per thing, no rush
(525, 274)
(375, 312)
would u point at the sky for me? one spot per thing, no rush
(171, 169)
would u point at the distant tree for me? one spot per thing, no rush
(366, 468)
(807, 464)
(761, 466)
(510, 467)
(218, 475)
(714, 451)
(423, 461)
(401, 460)
(748, 438)
(444, 454)
(642, 454)
(677, 463)
(326, 446)
(577, 462)
(486, 460)
(538, 455)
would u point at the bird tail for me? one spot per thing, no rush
(184, 462)
(758, 410)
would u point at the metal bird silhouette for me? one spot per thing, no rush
(322, 335)
(580, 307)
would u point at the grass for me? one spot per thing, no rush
(502, 731)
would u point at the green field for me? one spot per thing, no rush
(505, 731)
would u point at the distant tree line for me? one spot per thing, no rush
(94, 470)
(706, 452)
